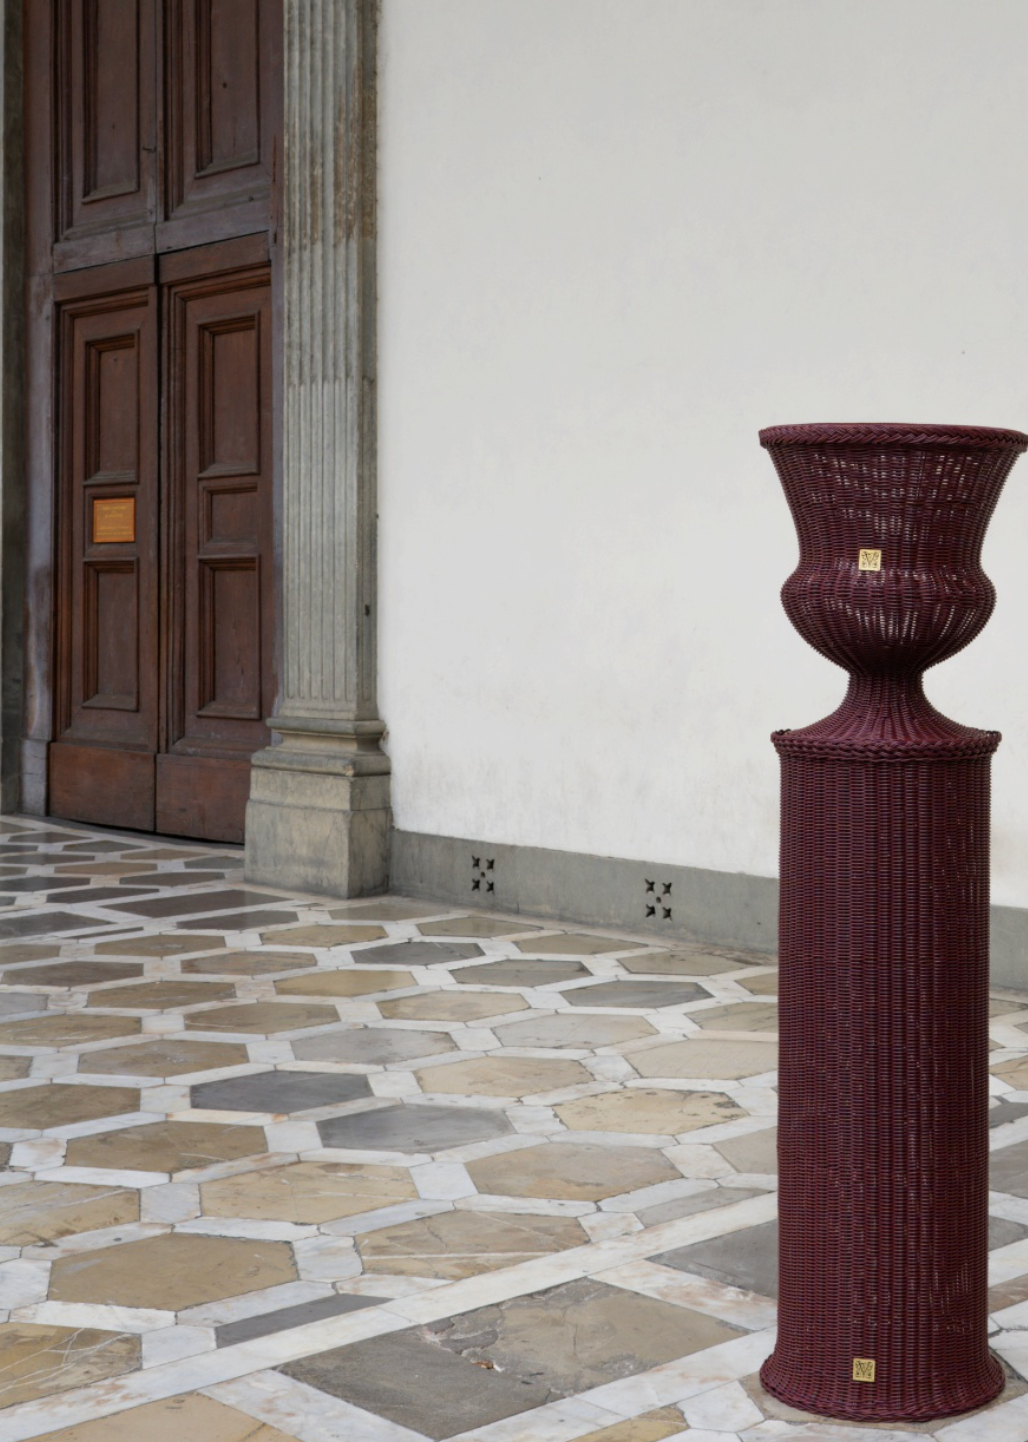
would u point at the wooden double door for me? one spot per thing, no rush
(152, 304)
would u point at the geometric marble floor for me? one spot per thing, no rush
(283, 1169)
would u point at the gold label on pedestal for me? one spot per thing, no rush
(114, 519)
(870, 560)
(864, 1367)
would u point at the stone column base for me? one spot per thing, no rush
(315, 823)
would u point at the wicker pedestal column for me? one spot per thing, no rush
(883, 1142)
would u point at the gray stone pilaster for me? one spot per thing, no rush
(318, 815)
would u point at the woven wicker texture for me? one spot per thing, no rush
(883, 1141)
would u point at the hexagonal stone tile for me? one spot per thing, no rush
(246, 963)
(165, 1056)
(755, 1152)
(279, 1091)
(452, 1006)
(171, 1272)
(583, 1032)
(188, 1415)
(385, 908)
(75, 973)
(758, 1016)
(485, 926)
(307, 1192)
(419, 953)
(678, 963)
(325, 935)
(452, 1245)
(159, 995)
(520, 973)
(110, 868)
(344, 982)
(642, 994)
(41, 1361)
(1014, 1072)
(747, 1259)
(413, 1128)
(13, 953)
(66, 1029)
(371, 1046)
(696, 1060)
(17, 1003)
(503, 1076)
(163, 945)
(766, 984)
(37, 1213)
(13, 1068)
(263, 1018)
(54, 1105)
(166, 1146)
(648, 1109)
(571, 943)
(571, 1171)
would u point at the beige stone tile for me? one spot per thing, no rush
(698, 1059)
(307, 1192)
(571, 1171)
(345, 982)
(485, 926)
(13, 1068)
(385, 908)
(107, 868)
(323, 935)
(172, 1272)
(649, 1427)
(1014, 1072)
(452, 1006)
(452, 1245)
(28, 951)
(40, 1361)
(164, 945)
(66, 1029)
(157, 995)
(764, 985)
(678, 963)
(571, 943)
(261, 1017)
(169, 1056)
(176, 853)
(57, 1105)
(755, 1016)
(187, 1418)
(503, 1076)
(247, 963)
(648, 1109)
(35, 1213)
(166, 1146)
(583, 1032)
(755, 1152)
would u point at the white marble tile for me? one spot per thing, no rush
(383, 1217)
(38, 1155)
(170, 1202)
(172, 1343)
(292, 1137)
(1006, 1423)
(306, 1413)
(247, 1228)
(23, 1283)
(392, 1084)
(686, 1377)
(534, 1206)
(602, 1226)
(702, 1294)
(655, 1195)
(1007, 1262)
(98, 1176)
(442, 1181)
(727, 1409)
(253, 1304)
(101, 1124)
(326, 1259)
(53, 1064)
(556, 1422)
(103, 1316)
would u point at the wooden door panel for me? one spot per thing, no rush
(222, 56)
(106, 126)
(218, 526)
(107, 588)
(103, 786)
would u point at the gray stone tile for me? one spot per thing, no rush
(637, 994)
(41, 923)
(418, 1385)
(697, 1202)
(413, 1128)
(1008, 1169)
(679, 963)
(747, 1259)
(239, 920)
(386, 908)
(194, 905)
(12, 1002)
(229, 1333)
(521, 973)
(419, 953)
(39, 883)
(96, 894)
(74, 973)
(279, 1091)
(754, 1152)
(101, 847)
(371, 1046)
(1002, 1232)
(1005, 1112)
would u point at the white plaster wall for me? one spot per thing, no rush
(617, 237)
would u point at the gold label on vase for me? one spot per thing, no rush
(863, 1367)
(870, 560)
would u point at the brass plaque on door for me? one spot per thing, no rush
(114, 519)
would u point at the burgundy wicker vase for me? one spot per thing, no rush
(883, 1143)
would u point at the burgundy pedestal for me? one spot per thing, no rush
(883, 1139)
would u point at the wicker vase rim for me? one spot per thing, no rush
(891, 433)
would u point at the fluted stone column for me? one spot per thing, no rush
(318, 815)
